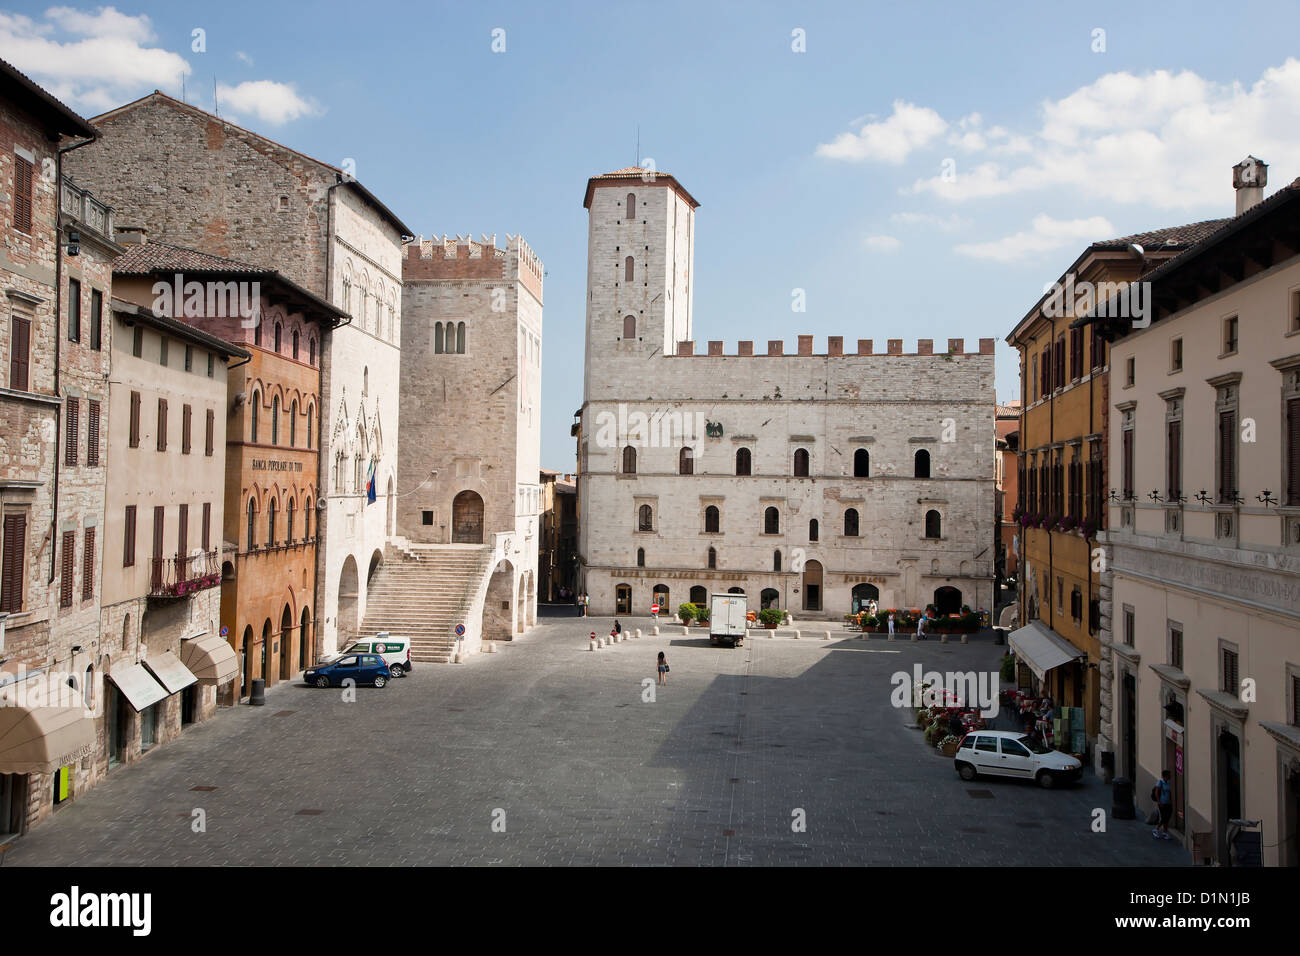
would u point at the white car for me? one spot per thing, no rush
(1011, 753)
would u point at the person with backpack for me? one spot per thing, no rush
(1163, 795)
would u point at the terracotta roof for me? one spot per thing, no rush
(151, 257)
(1009, 411)
(1173, 236)
(183, 330)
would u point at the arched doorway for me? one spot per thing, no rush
(246, 663)
(769, 597)
(735, 590)
(266, 648)
(862, 593)
(699, 595)
(530, 605)
(467, 518)
(812, 586)
(349, 623)
(376, 560)
(947, 600)
(521, 614)
(286, 644)
(498, 605)
(660, 595)
(304, 632)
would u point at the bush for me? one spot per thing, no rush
(1008, 668)
(771, 616)
(701, 614)
(686, 612)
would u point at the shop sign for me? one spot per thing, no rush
(275, 464)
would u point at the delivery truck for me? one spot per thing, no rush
(728, 618)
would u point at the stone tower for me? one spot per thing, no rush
(640, 273)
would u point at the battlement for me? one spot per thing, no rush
(834, 348)
(461, 257)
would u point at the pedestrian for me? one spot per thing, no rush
(663, 669)
(871, 607)
(577, 603)
(1164, 798)
(618, 628)
(920, 623)
(891, 622)
(586, 603)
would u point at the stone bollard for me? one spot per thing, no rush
(963, 639)
(891, 637)
(796, 635)
(637, 633)
(826, 635)
(686, 631)
(914, 637)
(654, 631)
(943, 638)
(593, 645)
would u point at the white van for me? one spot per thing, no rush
(396, 651)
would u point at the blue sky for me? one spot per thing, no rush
(820, 170)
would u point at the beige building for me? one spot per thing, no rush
(1201, 597)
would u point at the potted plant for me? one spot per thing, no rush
(701, 615)
(770, 617)
(949, 745)
(686, 612)
(1067, 524)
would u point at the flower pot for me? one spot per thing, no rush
(950, 749)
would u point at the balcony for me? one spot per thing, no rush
(183, 575)
(86, 209)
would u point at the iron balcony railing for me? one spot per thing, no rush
(185, 574)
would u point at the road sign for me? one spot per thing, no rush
(460, 630)
(225, 631)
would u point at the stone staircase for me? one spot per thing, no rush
(422, 592)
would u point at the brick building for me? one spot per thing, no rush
(197, 181)
(811, 482)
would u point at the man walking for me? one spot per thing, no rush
(1165, 804)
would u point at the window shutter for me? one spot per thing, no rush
(128, 538)
(88, 566)
(69, 557)
(135, 420)
(92, 435)
(183, 532)
(162, 424)
(209, 431)
(70, 431)
(12, 571)
(207, 522)
(1128, 463)
(158, 532)
(1293, 451)
(1227, 452)
(187, 415)
(22, 195)
(19, 353)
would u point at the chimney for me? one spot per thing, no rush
(131, 235)
(1249, 177)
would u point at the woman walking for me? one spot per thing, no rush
(663, 669)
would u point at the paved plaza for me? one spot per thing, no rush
(546, 753)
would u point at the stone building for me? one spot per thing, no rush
(1202, 638)
(271, 414)
(811, 482)
(37, 770)
(471, 413)
(197, 181)
(1065, 388)
(557, 558)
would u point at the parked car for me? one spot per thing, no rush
(1011, 753)
(361, 668)
(396, 651)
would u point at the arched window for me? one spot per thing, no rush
(801, 463)
(306, 520)
(277, 336)
(460, 338)
(742, 461)
(437, 338)
(851, 523)
(275, 420)
(771, 521)
(254, 405)
(629, 267)
(310, 409)
(640, 557)
(629, 326)
(631, 205)
(711, 519)
(922, 464)
(713, 557)
(293, 424)
(288, 531)
(933, 525)
(629, 460)
(252, 529)
(311, 350)
(270, 522)
(776, 560)
(813, 529)
(295, 345)
(685, 462)
(645, 518)
(862, 463)
(88, 691)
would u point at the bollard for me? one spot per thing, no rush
(654, 631)
(943, 638)
(257, 695)
(963, 639)
(891, 637)
(637, 633)
(913, 637)
(593, 646)
(826, 635)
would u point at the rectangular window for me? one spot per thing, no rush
(1228, 669)
(162, 350)
(1060, 596)
(1076, 354)
(1076, 604)
(1176, 355)
(1173, 460)
(162, 424)
(1130, 371)
(1227, 440)
(1097, 346)
(23, 181)
(96, 319)
(1130, 628)
(137, 342)
(74, 310)
(134, 436)
(88, 565)
(1096, 487)
(1058, 373)
(128, 538)
(92, 434)
(209, 430)
(187, 414)
(1294, 324)
(1034, 379)
(189, 358)
(210, 365)
(1295, 700)
(70, 429)
(69, 564)
(183, 531)
(1075, 507)
(207, 525)
(1126, 463)
(1094, 615)
(1291, 451)
(1176, 646)
(159, 519)
(13, 572)
(20, 337)
(1230, 335)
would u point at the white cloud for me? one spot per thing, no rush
(269, 101)
(952, 223)
(892, 140)
(243, 58)
(1046, 235)
(882, 243)
(104, 22)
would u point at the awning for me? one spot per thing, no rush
(1042, 649)
(210, 659)
(170, 672)
(137, 686)
(42, 739)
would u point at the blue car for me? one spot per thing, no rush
(359, 668)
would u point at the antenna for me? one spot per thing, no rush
(182, 87)
(636, 160)
(216, 107)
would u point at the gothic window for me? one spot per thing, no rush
(629, 460)
(645, 518)
(771, 521)
(629, 326)
(254, 405)
(631, 205)
(365, 380)
(252, 526)
(288, 532)
(685, 462)
(277, 336)
(813, 530)
(742, 461)
(310, 410)
(640, 557)
(295, 345)
(275, 420)
(437, 338)
(311, 350)
(712, 520)
(801, 463)
(460, 338)
(922, 464)
(293, 424)
(861, 463)
(270, 523)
